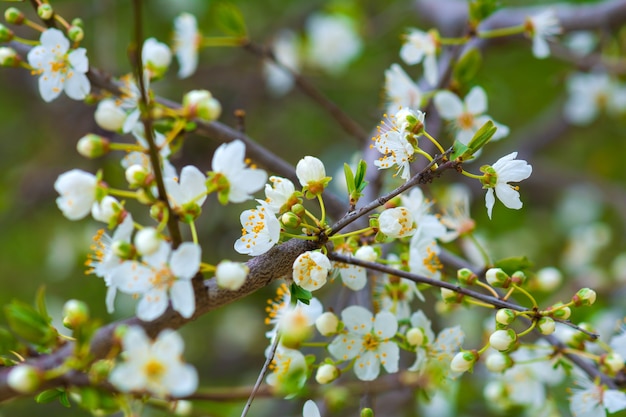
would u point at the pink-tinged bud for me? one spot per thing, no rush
(584, 297)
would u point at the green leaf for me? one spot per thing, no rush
(300, 294)
(40, 302)
(359, 180)
(349, 178)
(229, 19)
(479, 10)
(482, 136)
(29, 324)
(467, 67)
(459, 150)
(513, 264)
(48, 396)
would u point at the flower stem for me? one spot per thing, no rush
(496, 33)
(435, 142)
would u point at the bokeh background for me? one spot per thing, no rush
(574, 204)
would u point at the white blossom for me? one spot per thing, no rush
(156, 57)
(333, 42)
(229, 161)
(507, 169)
(260, 232)
(189, 192)
(77, 190)
(400, 90)
(279, 79)
(396, 222)
(60, 69)
(186, 44)
(543, 27)
(279, 194)
(421, 46)
(310, 270)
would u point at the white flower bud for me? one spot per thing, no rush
(505, 316)
(109, 116)
(450, 297)
(310, 170)
(75, 314)
(123, 249)
(415, 336)
(8, 57)
(147, 241)
(326, 373)
(231, 275)
(496, 277)
(106, 210)
(396, 222)
(498, 362)
(549, 278)
(136, 175)
(366, 253)
(201, 104)
(156, 57)
(183, 408)
(560, 312)
(92, 146)
(327, 323)
(613, 361)
(546, 325)
(584, 297)
(24, 379)
(463, 361)
(503, 340)
(45, 11)
(295, 328)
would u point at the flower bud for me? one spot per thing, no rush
(451, 297)
(77, 21)
(503, 340)
(559, 312)
(231, 275)
(24, 379)
(92, 146)
(14, 16)
(546, 325)
(463, 361)
(312, 176)
(8, 57)
(415, 336)
(327, 324)
(100, 370)
(366, 253)
(123, 249)
(495, 392)
(518, 278)
(137, 176)
(183, 408)
(549, 278)
(109, 115)
(505, 316)
(498, 362)
(290, 220)
(45, 11)
(76, 33)
(147, 241)
(75, 314)
(366, 412)
(466, 276)
(584, 297)
(295, 328)
(496, 277)
(613, 362)
(326, 373)
(156, 57)
(6, 34)
(201, 104)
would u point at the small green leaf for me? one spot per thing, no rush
(48, 396)
(229, 19)
(459, 150)
(359, 180)
(29, 324)
(300, 294)
(482, 136)
(40, 302)
(513, 264)
(468, 65)
(349, 178)
(479, 10)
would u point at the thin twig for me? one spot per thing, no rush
(259, 381)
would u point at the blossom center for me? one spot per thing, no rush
(370, 342)
(163, 278)
(154, 369)
(466, 121)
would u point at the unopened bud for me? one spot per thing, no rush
(326, 373)
(183, 408)
(496, 277)
(366, 412)
(147, 241)
(463, 361)
(24, 379)
(100, 370)
(123, 249)
(327, 324)
(6, 34)
(92, 146)
(137, 176)
(466, 276)
(451, 297)
(549, 278)
(505, 316)
(109, 115)
(201, 104)
(76, 33)
(45, 11)
(8, 57)
(584, 297)
(559, 312)
(231, 275)
(366, 253)
(290, 220)
(546, 325)
(498, 362)
(518, 278)
(503, 340)
(14, 16)
(295, 328)
(75, 314)
(415, 336)
(613, 362)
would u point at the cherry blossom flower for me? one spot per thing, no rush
(505, 170)
(156, 57)
(367, 339)
(591, 400)
(154, 366)
(333, 42)
(310, 270)
(105, 258)
(419, 208)
(261, 230)
(435, 352)
(312, 175)
(161, 276)
(589, 95)
(77, 190)
(401, 91)
(396, 222)
(186, 44)
(229, 164)
(421, 46)
(60, 69)
(542, 27)
(189, 193)
(285, 49)
(109, 115)
(424, 254)
(280, 195)
(467, 116)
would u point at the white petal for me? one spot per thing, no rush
(367, 366)
(50, 86)
(541, 49)
(181, 380)
(490, 200)
(357, 319)
(476, 101)
(448, 105)
(310, 409)
(385, 325)
(77, 86)
(168, 345)
(152, 305)
(183, 299)
(345, 346)
(244, 183)
(55, 39)
(431, 72)
(390, 356)
(614, 400)
(193, 184)
(185, 260)
(229, 156)
(509, 197)
(132, 278)
(78, 60)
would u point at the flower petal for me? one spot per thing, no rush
(185, 260)
(448, 105)
(183, 298)
(490, 200)
(357, 319)
(476, 101)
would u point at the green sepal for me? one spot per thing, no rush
(8, 342)
(467, 67)
(300, 294)
(229, 19)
